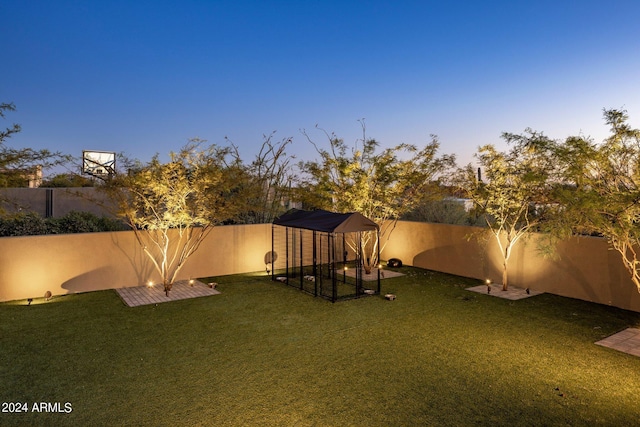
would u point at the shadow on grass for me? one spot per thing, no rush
(263, 353)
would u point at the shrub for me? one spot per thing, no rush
(30, 223)
(83, 222)
(23, 224)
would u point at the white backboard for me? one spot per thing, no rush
(98, 163)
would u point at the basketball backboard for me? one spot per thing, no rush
(98, 163)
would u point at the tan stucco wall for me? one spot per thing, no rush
(62, 264)
(584, 267)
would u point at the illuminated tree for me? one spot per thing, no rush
(382, 186)
(173, 206)
(515, 199)
(602, 188)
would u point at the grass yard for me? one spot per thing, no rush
(263, 353)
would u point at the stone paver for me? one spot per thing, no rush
(512, 293)
(627, 341)
(384, 274)
(182, 289)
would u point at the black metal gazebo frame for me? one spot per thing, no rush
(309, 251)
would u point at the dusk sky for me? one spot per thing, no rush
(142, 77)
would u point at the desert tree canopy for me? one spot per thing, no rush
(515, 193)
(381, 184)
(601, 191)
(173, 206)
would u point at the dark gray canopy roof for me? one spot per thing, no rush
(325, 221)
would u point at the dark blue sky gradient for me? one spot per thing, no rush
(142, 77)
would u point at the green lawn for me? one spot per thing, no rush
(263, 353)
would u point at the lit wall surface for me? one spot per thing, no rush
(62, 264)
(585, 268)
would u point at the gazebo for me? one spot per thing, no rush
(320, 252)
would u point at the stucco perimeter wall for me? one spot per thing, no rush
(63, 264)
(61, 200)
(584, 269)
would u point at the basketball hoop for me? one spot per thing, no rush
(100, 164)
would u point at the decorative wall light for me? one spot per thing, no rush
(269, 259)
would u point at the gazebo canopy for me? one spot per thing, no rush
(325, 221)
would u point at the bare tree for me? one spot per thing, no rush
(17, 163)
(269, 180)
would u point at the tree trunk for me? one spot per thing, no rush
(167, 288)
(367, 263)
(505, 283)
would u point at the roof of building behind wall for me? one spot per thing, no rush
(325, 221)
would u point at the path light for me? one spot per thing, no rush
(191, 282)
(149, 284)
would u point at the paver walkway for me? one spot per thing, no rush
(627, 341)
(512, 293)
(182, 289)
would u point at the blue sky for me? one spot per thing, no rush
(142, 77)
